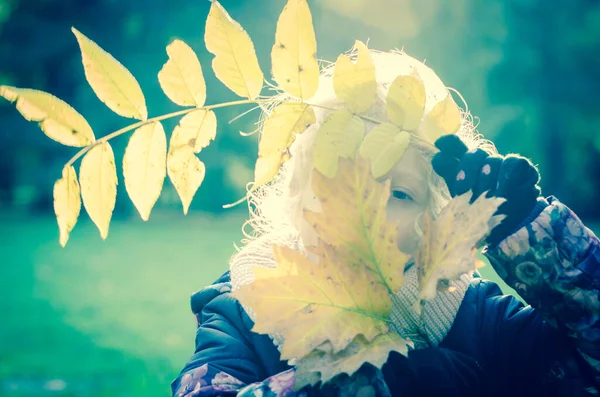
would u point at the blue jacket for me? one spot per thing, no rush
(496, 346)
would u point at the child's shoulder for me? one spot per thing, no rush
(213, 297)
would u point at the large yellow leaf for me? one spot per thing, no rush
(309, 303)
(343, 294)
(186, 172)
(323, 365)
(67, 203)
(384, 145)
(98, 178)
(57, 119)
(406, 101)
(445, 118)
(294, 54)
(235, 62)
(338, 137)
(112, 82)
(145, 166)
(354, 220)
(278, 133)
(354, 82)
(195, 130)
(447, 246)
(181, 76)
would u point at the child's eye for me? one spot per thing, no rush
(401, 195)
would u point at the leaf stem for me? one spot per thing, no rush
(133, 126)
(159, 118)
(375, 121)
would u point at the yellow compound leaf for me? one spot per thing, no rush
(445, 118)
(278, 133)
(406, 101)
(354, 82)
(181, 76)
(67, 203)
(447, 247)
(98, 178)
(56, 118)
(195, 130)
(145, 166)
(186, 172)
(323, 365)
(294, 54)
(338, 137)
(235, 62)
(384, 146)
(309, 303)
(112, 82)
(354, 219)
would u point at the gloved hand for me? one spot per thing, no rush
(513, 177)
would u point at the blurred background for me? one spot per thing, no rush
(112, 318)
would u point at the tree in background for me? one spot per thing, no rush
(550, 71)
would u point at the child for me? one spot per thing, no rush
(478, 342)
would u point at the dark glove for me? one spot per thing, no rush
(513, 177)
(433, 371)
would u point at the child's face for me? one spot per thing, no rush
(409, 197)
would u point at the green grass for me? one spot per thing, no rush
(103, 318)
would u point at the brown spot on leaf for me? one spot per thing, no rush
(192, 142)
(281, 45)
(300, 69)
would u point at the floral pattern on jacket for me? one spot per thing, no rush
(367, 381)
(554, 264)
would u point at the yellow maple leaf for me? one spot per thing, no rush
(346, 291)
(308, 303)
(354, 219)
(447, 246)
(294, 54)
(355, 82)
(323, 365)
